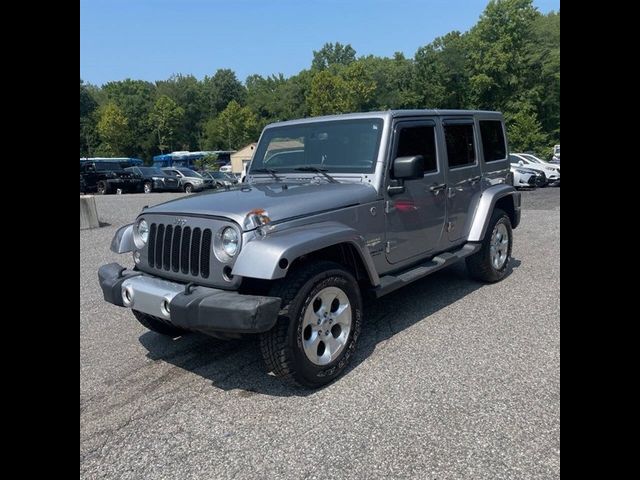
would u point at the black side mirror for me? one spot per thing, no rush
(408, 168)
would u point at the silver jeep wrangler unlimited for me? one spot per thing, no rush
(334, 209)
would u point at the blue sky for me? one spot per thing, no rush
(152, 39)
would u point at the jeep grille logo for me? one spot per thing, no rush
(180, 221)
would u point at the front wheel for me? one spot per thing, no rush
(148, 188)
(318, 326)
(490, 263)
(188, 188)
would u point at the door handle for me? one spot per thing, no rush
(435, 188)
(475, 179)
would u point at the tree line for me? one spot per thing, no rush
(508, 61)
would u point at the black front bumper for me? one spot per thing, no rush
(203, 309)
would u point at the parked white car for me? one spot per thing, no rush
(534, 163)
(523, 177)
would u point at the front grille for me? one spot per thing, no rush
(179, 249)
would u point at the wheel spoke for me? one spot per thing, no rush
(332, 345)
(343, 314)
(311, 346)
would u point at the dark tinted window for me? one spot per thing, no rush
(419, 140)
(493, 145)
(460, 147)
(108, 166)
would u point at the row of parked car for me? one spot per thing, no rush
(104, 177)
(530, 171)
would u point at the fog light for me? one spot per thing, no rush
(165, 308)
(127, 296)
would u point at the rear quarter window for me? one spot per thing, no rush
(493, 144)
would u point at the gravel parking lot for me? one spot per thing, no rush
(453, 379)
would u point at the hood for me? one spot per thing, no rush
(281, 200)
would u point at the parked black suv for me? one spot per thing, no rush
(107, 177)
(155, 180)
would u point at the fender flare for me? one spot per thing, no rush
(122, 241)
(260, 258)
(485, 207)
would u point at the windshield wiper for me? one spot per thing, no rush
(266, 170)
(321, 171)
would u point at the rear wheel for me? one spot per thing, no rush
(490, 263)
(157, 325)
(318, 326)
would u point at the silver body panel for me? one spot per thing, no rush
(308, 213)
(150, 295)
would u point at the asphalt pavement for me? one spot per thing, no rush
(453, 379)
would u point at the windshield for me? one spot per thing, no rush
(532, 158)
(345, 146)
(151, 171)
(188, 172)
(108, 166)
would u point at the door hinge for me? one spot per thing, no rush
(388, 206)
(390, 245)
(450, 226)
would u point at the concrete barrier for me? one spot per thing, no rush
(88, 212)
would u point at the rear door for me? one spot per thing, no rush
(463, 173)
(415, 218)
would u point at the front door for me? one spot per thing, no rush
(463, 174)
(415, 218)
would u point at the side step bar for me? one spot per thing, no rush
(390, 283)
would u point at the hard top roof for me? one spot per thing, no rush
(387, 114)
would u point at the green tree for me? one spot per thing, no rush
(221, 89)
(441, 72)
(333, 54)
(393, 79)
(88, 135)
(543, 59)
(275, 98)
(525, 131)
(235, 127)
(166, 118)
(360, 86)
(188, 93)
(497, 53)
(328, 95)
(114, 130)
(136, 99)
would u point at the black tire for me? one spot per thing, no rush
(479, 264)
(281, 347)
(147, 187)
(157, 325)
(188, 188)
(102, 188)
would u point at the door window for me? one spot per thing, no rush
(461, 150)
(419, 140)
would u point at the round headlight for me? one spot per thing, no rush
(143, 231)
(230, 241)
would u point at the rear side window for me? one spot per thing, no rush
(419, 140)
(493, 145)
(461, 150)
